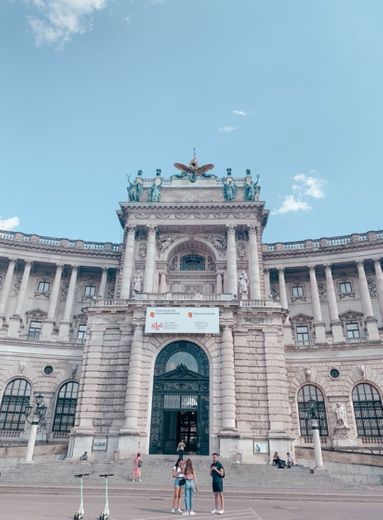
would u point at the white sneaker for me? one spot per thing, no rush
(214, 511)
(173, 510)
(185, 513)
(220, 512)
(192, 513)
(179, 511)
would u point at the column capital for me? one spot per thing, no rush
(231, 228)
(266, 270)
(377, 259)
(28, 263)
(59, 266)
(12, 259)
(152, 228)
(359, 263)
(130, 229)
(252, 228)
(74, 267)
(312, 268)
(281, 270)
(328, 266)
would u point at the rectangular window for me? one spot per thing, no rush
(302, 335)
(90, 291)
(352, 331)
(44, 287)
(34, 330)
(297, 291)
(1, 280)
(345, 288)
(81, 332)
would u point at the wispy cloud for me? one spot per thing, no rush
(227, 129)
(305, 187)
(242, 113)
(9, 224)
(58, 21)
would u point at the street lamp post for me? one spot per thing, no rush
(314, 421)
(35, 416)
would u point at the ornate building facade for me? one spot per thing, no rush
(281, 331)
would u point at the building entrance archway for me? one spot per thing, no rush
(180, 404)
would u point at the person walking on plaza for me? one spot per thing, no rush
(137, 465)
(191, 485)
(217, 473)
(181, 449)
(178, 475)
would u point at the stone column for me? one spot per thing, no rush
(7, 287)
(231, 259)
(104, 280)
(127, 268)
(266, 273)
(150, 260)
(371, 321)
(129, 435)
(254, 274)
(65, 324)
(47, 327)
(287, 332)
(228, 381)
(336, 326)
(15, 320)
(319, 325)
(379, 282)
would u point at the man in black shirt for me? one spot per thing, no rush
(217, 472)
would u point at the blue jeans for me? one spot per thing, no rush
(188, 497)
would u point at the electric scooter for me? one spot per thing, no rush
(106, 513)
(79, 515)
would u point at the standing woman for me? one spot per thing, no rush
(137, 465)
(191, 485)
(177, 474)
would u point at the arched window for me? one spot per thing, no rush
(368, 410)
(65, 407)
(192, 263)
(15, 398)
(310, 398)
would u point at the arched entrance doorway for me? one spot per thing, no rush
(180, 405)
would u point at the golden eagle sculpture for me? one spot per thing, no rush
(193, 171)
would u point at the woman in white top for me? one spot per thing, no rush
(177, 474)
(191, 485)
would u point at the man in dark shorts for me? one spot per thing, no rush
(217, 471)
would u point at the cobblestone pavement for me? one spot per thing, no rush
(56, 505)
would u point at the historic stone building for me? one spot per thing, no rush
(192, 328)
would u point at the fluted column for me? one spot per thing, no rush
(7, 287)
(228, 380)
(379, 283)
(65, 324)
(266, 273)
(287, 332)
(231, 259)
(336, 326)
(15, 320)
(371, 321)
(254, 274)
(319, 326)
(104, 279)
(150, 260)
(47, 327)
(133, 387)
(127, 268)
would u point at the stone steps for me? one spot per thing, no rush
(156, 473)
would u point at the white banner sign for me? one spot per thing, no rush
(186, 320)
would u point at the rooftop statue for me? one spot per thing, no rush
(135, 188)
(155, 188)
(250, 188)
(229, 186)
(193, 171)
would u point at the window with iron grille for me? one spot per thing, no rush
(34, 330)
(368, 410)
(65, 407)
(345, 288)
(16, 397)
(352, 330)
(43, 287)
(310, 398)
(89, 291)
(302, 335)
(192, 263)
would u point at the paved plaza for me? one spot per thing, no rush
(24, 503)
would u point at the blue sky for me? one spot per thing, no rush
(93, 90)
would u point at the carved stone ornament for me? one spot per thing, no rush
(362, 372)
(307, 374)
(164, 242)
(21, 367)
(218, 241)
